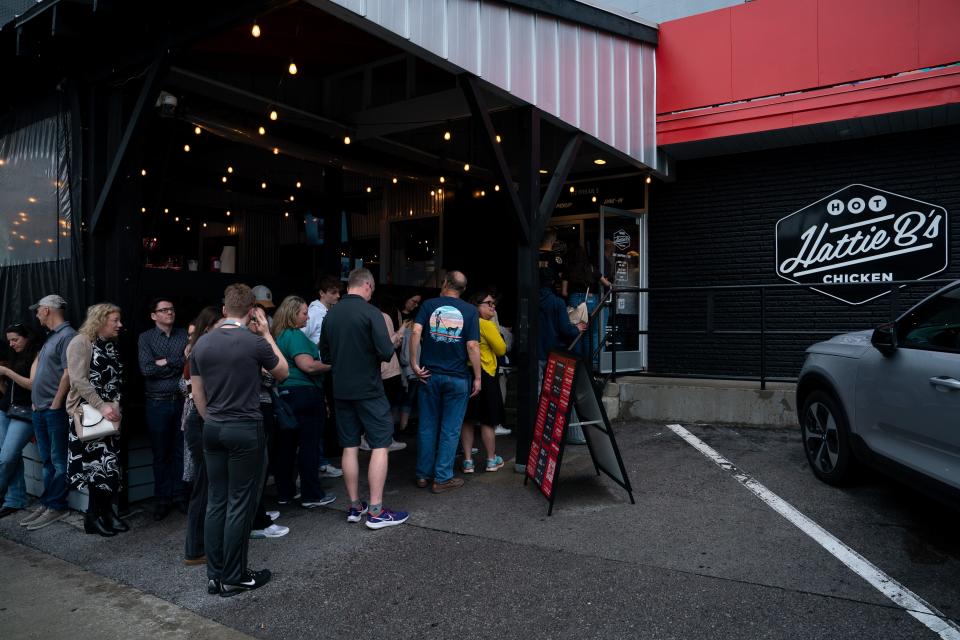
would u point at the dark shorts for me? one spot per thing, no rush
(487, 406)
(371, 416)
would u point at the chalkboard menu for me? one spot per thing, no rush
(567, 386)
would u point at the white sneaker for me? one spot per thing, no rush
(330, 471)
(397, 446)
(364, 445)
(273, 531)
(273, 515)
(502, 430)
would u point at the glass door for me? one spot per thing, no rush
(622, 251)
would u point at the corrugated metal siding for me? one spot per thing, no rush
(598, 82)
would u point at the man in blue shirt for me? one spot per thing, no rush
(161, 359)
(444, 349)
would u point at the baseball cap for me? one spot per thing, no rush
(53, 301)
(264, 296)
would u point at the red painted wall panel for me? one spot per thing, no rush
(939, 26)
(861, 39)
(693, 62)
(773, 51)
(763, 48)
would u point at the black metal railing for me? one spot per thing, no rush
(609, 338)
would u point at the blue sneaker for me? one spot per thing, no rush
(356, 515)
(386, 518)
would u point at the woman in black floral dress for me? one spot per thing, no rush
(95, 377)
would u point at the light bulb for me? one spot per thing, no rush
(496, 187)
(204, 225)
(369, 189)
(346, 139)
(263, 185)
(176, 219)
(433, 193)
(276, 151)
(286, 214)
(593, 199)
(649, 179)
(446, 135)
(261, 130)
(143, 172)
(228, 213)
(298, 184)
(223, 179)
(186, 148)
(165, 210)
(600, 161)
(292, 68)
(188, 227)
(572, 189)
(394, 181)
(442, 180)
(143, 209)
(273, 115)
(196, 130)
(498, 137)
(466, 167)
(255, 31)
(229, 169)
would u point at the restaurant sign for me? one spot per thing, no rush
(864, 236)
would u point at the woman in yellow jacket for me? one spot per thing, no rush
(486, 408)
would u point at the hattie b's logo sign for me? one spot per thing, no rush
(862, 235)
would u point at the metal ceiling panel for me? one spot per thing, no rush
(594, 80)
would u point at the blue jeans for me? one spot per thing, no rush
(166, 440)
(443, 403)
(14, 436)
(51, 428)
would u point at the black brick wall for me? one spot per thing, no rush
(715, 226)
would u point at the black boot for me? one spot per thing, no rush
(93, 523)
(116, 522)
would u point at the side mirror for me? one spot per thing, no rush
(884, 338)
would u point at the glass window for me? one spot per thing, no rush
(935, 325)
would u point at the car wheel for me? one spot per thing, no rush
(826, 438)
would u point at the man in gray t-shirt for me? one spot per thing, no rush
(50, 424)
(225, 377)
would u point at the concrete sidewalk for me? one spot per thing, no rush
(87, 605)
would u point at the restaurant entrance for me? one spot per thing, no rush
(615, 240)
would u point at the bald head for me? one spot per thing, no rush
(454, 284)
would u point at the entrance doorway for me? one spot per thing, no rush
(616, 241)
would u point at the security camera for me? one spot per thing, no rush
(167, 103)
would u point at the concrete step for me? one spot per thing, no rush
(712, 401)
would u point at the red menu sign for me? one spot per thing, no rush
(552, 413)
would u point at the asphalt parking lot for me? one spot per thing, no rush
(698, 554)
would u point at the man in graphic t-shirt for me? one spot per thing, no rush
(444, 351)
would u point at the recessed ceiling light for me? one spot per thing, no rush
(600, 161)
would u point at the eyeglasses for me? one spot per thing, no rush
(490, 303)
(164, 310)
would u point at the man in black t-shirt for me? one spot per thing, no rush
(550, 259)
(225, 376)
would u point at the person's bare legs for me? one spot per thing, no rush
(351, 472)
(466, 440)
(404, 419)
(376, 474)
(489, 436)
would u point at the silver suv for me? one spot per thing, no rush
(889, 398)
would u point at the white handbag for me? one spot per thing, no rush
(93, 424)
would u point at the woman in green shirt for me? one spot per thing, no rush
(302, 390)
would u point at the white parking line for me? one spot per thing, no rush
(911, 602)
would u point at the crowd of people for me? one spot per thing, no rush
(241, 395)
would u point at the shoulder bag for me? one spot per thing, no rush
(20, 412)
(92, 423)
(581, 312)
(282, 411)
